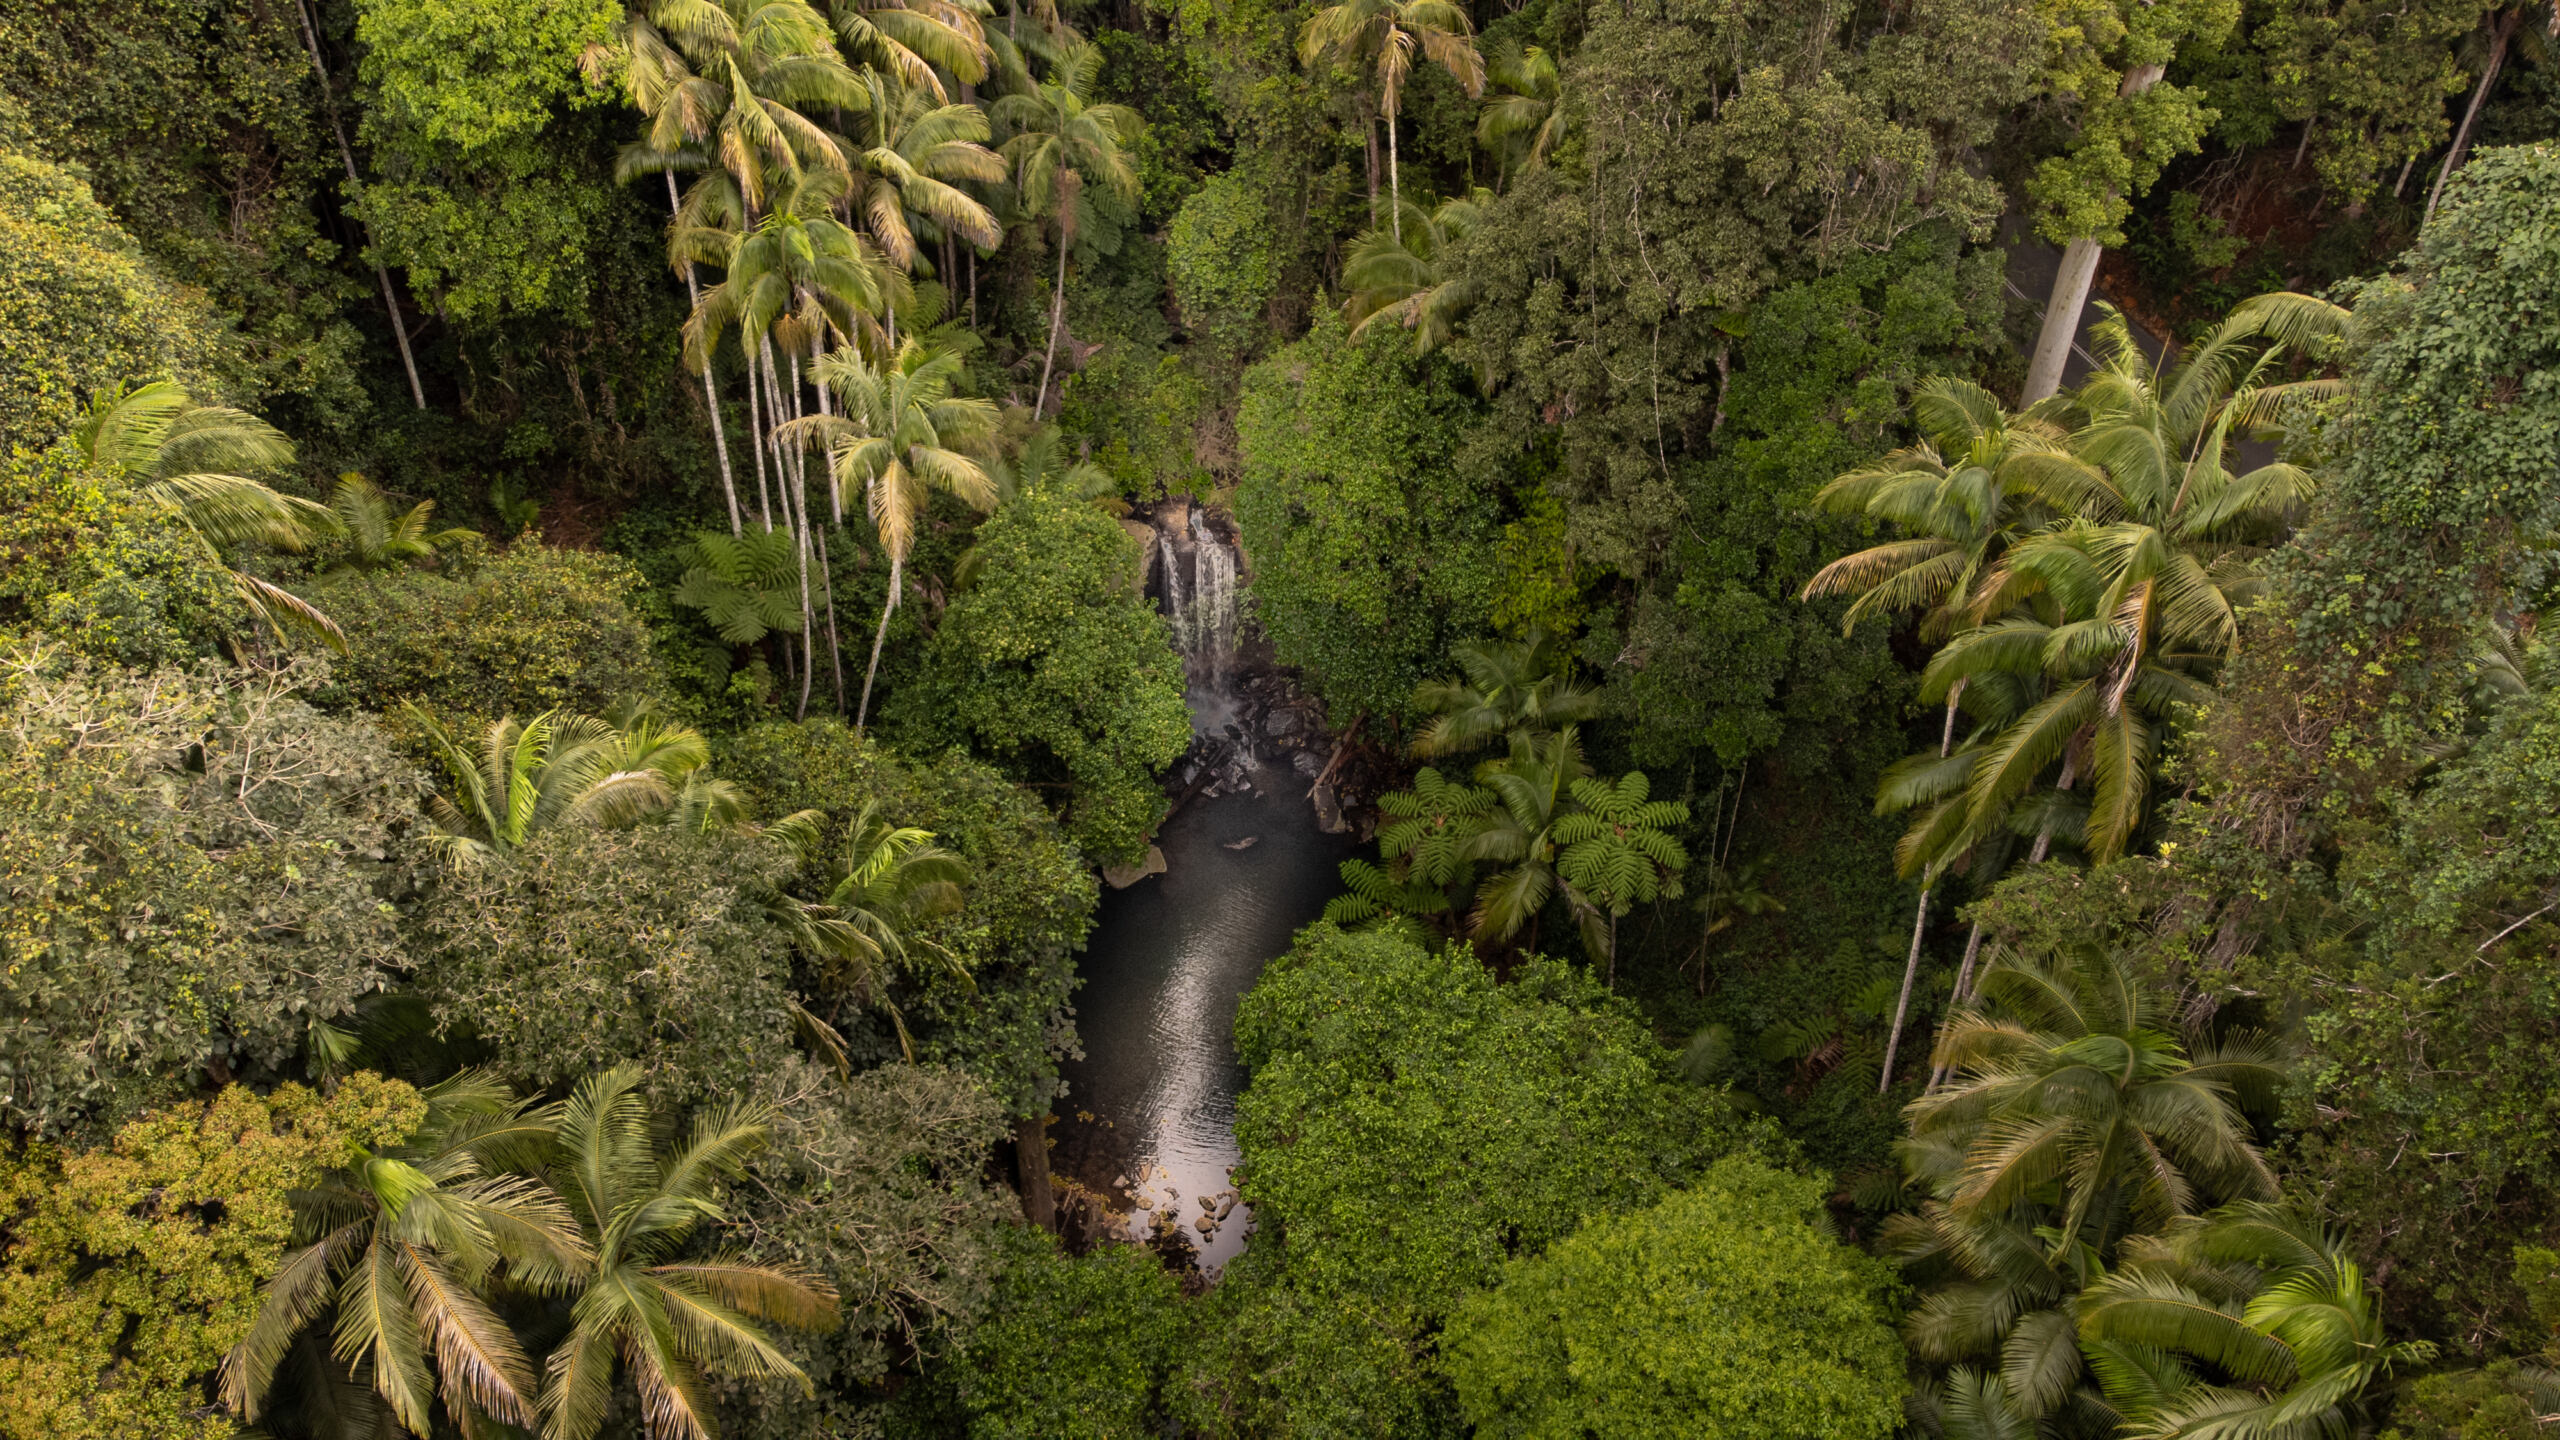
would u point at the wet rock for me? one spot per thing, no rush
(1307, 763)
(1206, 1224)
(1121, 877)
(1329, 811)
(1226, 1207)
(1281, 724)
(1208, 1204)
(1145, 1202)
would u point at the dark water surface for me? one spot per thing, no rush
(1168, 959)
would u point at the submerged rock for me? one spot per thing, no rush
(1246, 843)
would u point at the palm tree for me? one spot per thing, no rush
(1524, 117)
(1383, 35)
(1534, 788)
(909, 169)
(1509, 690)
(1961, 496)
(561, 769)
(797, 278)
(892, 444)
(1412, 277)
(1062, 142)
(1617, 849)
(194, 462)
(2070, 1080)
(666, 1320)
(912, 40)
(884, 885)
(377, 538)
(401, 1243)
(2257, 1295)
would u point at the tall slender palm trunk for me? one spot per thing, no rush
(1919, 930)
(880, 637)
(710, 392)
(1057, 320)
(1395, 187)
(757, 429)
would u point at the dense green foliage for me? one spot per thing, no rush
(199, 869)
(608, 561)
(1602, 1333)
(1372, 549)
(534, 629)
(1052, 662)
(128, 1269)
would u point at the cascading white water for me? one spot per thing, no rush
(1213, 608)
(1200, 601)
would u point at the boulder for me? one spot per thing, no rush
(1121, 877)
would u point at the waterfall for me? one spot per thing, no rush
(1213, 607)
(1200, 601)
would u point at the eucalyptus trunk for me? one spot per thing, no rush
(2505, 31)
(2071, 285)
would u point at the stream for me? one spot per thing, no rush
(1149, 1115)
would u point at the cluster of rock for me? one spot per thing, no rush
(1155, 1196)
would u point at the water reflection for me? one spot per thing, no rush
(1168, 960)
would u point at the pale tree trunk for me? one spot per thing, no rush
(2071, 286)
(756, 430)
(710, 393)
(1395, 190)
(347, 154)
(1964, 988)
(889, 607)
(1919, 926)
(2506, 31)
(835, 507)
(799, 500)
(784, 478)
(1057, 319)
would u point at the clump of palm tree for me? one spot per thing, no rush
(1523, 115)
(2251, 1321)
(883, 887)
(1507, 690)
(403, 1245)
(1409, 273)
(2077, 1121)
(1381, 37)
(648, 1304)
(198, 463)
(894, 445)
(379, 536)
(1062, 142)
(563, 769)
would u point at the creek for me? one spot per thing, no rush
(1149, 1116)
